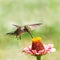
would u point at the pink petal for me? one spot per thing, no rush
(34, 52)
(53, 50)
(49, 48)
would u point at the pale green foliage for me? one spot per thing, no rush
(23, 12)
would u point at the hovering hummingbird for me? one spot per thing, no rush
(21, 29)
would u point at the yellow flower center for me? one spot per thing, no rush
(37, 39)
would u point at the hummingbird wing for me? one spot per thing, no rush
(16, 25)
(33, 26)
(28, 28)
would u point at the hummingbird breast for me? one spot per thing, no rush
(19, 32)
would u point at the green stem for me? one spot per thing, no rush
(38, 57)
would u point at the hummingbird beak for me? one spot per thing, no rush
(31, 35)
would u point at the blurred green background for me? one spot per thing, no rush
(24, 12)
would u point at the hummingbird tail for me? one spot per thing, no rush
(10, 33)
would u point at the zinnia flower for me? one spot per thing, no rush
(38, 48)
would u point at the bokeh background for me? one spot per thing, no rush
(23, 12)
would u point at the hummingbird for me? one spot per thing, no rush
(22, 29)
